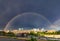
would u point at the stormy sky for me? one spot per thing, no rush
(48, 8)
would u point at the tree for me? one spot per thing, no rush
(33, 33)
(58, 32)
(2, 33)
(32, 39)
(10, 34)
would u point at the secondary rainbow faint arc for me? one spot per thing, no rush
(24, 14)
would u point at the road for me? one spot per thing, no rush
(10, 39)
(24, 39)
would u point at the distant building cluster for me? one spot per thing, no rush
(21, 30)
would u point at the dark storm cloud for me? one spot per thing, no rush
(10, 8)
